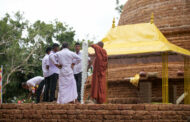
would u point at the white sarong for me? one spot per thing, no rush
(67, 89)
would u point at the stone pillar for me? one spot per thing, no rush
(145, 92)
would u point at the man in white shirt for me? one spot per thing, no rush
(67, 84)
(31, 85)
(45, 69)
(53, 72)
(77, 69)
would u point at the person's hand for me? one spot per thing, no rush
(47, 67)
(58, 66)
(72, 65)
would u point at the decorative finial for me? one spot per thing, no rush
(113, 23)
(152, 18)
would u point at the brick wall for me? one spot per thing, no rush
(94, 113)
(120, 92)
(123, 92)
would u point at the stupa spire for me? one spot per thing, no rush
(113, 23)
(152, 18)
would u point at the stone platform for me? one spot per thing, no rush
(94, 113)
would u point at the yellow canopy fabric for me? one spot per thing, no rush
(136, 39)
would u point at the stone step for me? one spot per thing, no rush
(94, 113)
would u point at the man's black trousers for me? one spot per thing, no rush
(78, 78)
(51, 83)
(39, 91)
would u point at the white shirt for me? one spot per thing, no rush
(78, 67)
(52, 68)
(34, 81)
(45, 62)
(66, 57)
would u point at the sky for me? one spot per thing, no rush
(91, 19)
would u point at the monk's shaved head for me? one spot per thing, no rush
(101, 44)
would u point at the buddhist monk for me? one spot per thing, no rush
(98, 92)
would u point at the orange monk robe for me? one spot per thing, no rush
(98, 91)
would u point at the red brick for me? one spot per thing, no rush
(115, 112)
(95, 107)
(81, 116)
(111, 107)
(151, 107)
(5, 120)
(40, 112)
(51, 107)
(138, 107)
(8, 106)
(96, 120)
(91, 116)
(58, 111)
(101, 112)
(82, 120)
(100, 117)
(47, 116)
(164, 107)
(18, 116)
(30, 111)
(127, 112)
(64, 116)
(71, 112)
(71, 116)
(124, 107)
(24, 106)
(146, 120)
(81, 107)
(87, 112)
(56, 116)
(36, 116)
(39, 106)
(186, 107)
(141, 113)
(127, 117)
(177, 107)
(108, 120)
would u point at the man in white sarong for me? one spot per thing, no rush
(67, 84)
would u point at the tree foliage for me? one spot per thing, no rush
(119, 7)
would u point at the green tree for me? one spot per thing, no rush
(119, 7)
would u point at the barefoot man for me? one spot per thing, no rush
(67, 84)
(98, 92)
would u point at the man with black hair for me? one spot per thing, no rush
(67, 85)
(77, 69)
(45, 69)
(54, 74)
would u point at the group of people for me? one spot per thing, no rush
(65, 66)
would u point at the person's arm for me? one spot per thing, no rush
(47, 63)
(96, 49)
(95, 46)
(52, 58)
(76, 59)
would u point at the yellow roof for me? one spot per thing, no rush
(136, 39)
